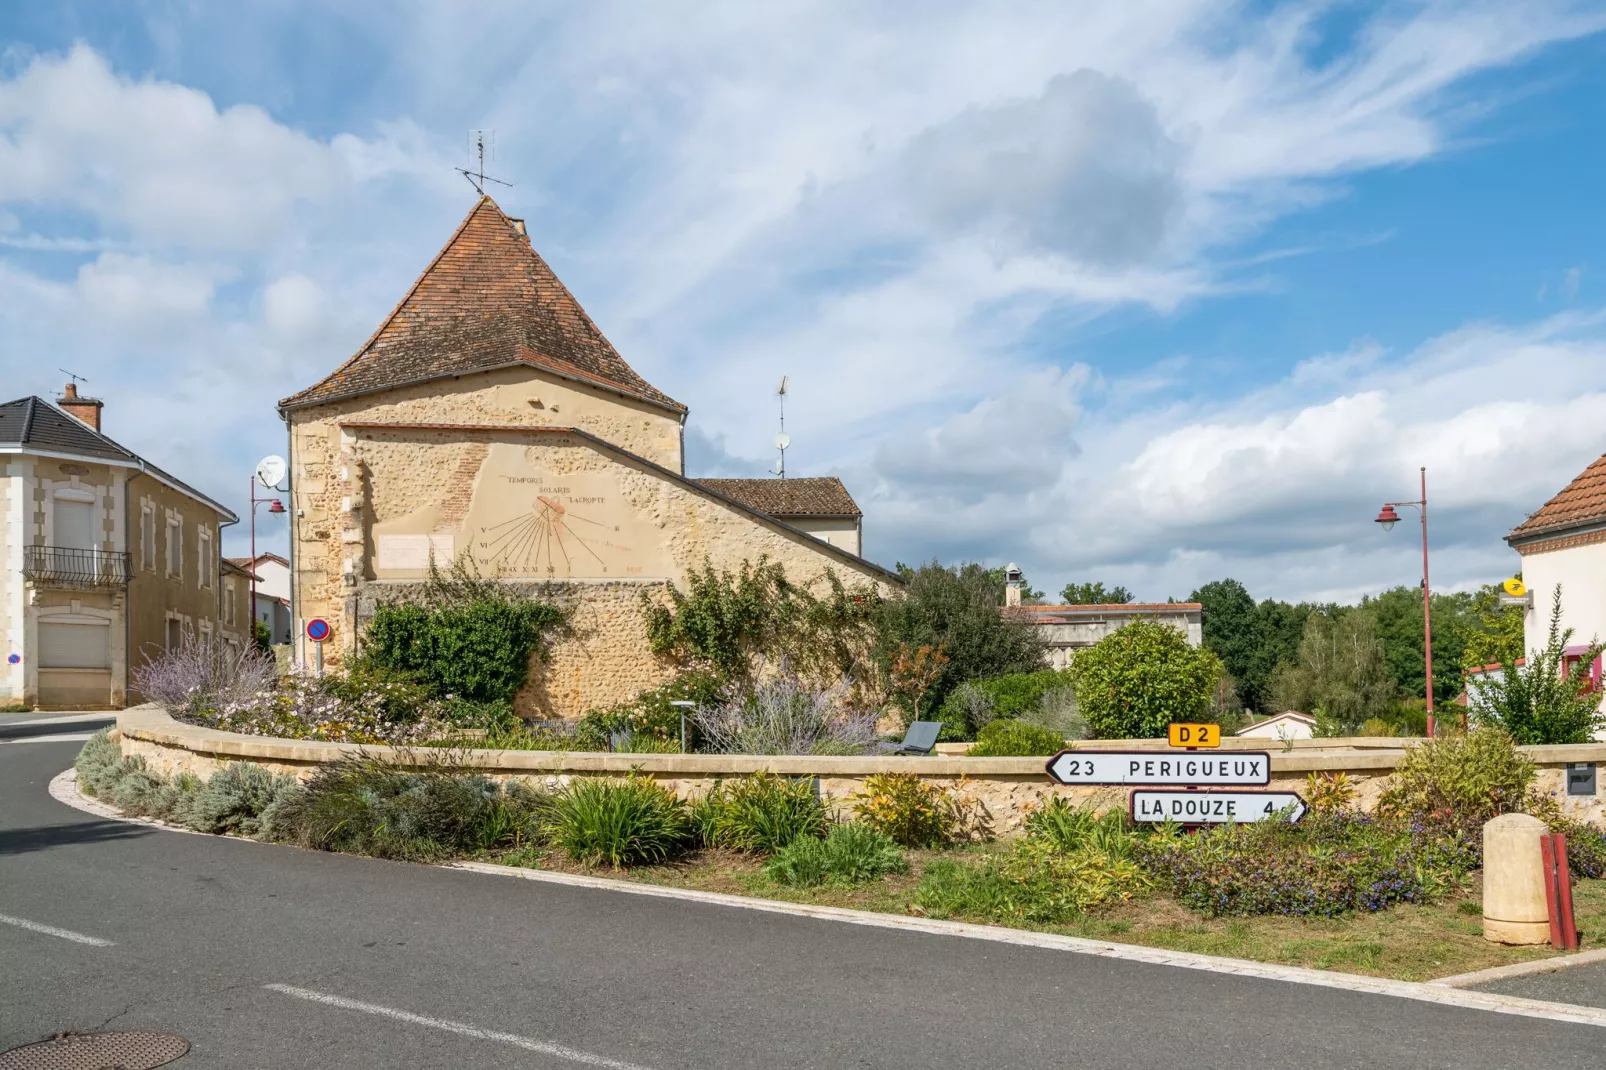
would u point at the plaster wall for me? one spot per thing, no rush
(841, 533)
(1580, 571)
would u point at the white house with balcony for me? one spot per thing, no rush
(105, 559)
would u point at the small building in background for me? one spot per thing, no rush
(272, 593)
(1067, 629)
(819, 505)
(1290, 724)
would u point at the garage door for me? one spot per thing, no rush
(74, 646)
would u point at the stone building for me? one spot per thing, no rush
(489, 416)
(819, 505)
(1067, 629)
(105, 559)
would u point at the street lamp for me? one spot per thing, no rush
(1387, 518)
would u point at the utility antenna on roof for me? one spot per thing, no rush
(476, 176)
(782, 439)
(76, 379)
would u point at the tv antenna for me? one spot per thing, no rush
(76, 379)
(476, 176)
(782, 439)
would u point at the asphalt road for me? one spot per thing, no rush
(1583, 985)
(537, 975)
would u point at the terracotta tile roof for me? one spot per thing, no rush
(811, 496)
(1580, 503)
(486, 301)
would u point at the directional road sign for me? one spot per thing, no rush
(1215, 807)
(1096, 768)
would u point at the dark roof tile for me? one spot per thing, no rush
(811, 496)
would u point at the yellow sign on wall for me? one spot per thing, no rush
(1514, 587)
(1194, 735)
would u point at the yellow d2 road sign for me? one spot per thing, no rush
(1194, 735)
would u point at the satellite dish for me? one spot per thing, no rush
(782, 440)
(271, 471)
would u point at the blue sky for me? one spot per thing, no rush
(1150, 293)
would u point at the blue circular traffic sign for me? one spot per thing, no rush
(317, 629)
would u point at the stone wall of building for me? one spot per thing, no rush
(423, 483)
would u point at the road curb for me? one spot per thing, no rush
(64, 788)
(1521, 969)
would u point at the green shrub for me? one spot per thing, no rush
(905, 808)
(1034, 883)
(1068, 828)
(364, 806)
(1015, 739)
(618, 822)
(97, 763)
(1135, 681)
(849, 854)
(1469, 778)
(234, 798)
(470, 638)
(972, 705)
(1543, 701)
(1331, 863)
(489, 715)
(650, 715)
(761, 813)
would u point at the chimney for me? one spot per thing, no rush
(85, 410)
(1012, 578)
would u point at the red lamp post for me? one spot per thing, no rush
(274, 506)
(1387, 517)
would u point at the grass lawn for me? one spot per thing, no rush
(1410, 943)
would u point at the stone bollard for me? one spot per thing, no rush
(1515, 908)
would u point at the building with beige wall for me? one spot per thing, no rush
(1563, 546)
(105, 559)
(1067, 629)
(488, 417)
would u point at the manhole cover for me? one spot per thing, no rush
(97, 1051)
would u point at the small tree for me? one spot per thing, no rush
(1141, 678)
(1341, 677)
(1544, 701)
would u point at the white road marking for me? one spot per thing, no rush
(51, 930)
(60, 737)
(557, 1051)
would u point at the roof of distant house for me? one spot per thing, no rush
(1149, 609)
(806, 496)
(35, 425)
(486, 301)
(1580, 504)
(1279, 718)
(237, 565)
(244, 562)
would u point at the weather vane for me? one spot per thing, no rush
(477, 176)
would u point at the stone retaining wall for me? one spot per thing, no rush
(1006, 787)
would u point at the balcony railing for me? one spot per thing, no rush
(60, 566)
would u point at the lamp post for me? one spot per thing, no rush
(274, 506)
(1387, 517)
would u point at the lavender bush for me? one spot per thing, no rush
(783, 715)
(201, 677)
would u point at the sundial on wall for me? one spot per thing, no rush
(552, 539)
